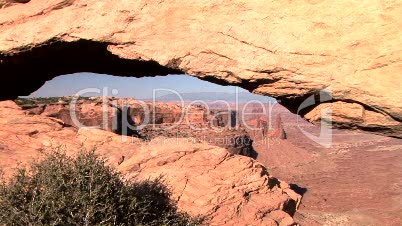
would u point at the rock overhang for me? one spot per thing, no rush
(298, 51)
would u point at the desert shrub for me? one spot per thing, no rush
(47, 100)
(36, 101)
(83, 190)
(24, 101)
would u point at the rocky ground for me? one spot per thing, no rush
(293, 51)
(356, 181)
(205, 179)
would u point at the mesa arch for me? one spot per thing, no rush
(288, 50)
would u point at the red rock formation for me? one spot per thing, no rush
(208, 180)
(336, 182)
(264, 127)
(216, 127)
(279, 131)
(349, 49)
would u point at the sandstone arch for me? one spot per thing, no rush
(286, 50)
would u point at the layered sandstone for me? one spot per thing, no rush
(208, 180)
(288, 50)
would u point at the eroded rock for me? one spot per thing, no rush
(148, 120)
(208, 180)
(286, 50)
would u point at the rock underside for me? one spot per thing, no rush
(197, 172)
(288, 50)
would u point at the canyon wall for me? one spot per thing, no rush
(289, 50)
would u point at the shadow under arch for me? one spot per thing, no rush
(27, 71)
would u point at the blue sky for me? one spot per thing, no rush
(140, 88)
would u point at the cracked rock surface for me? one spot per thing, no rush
(288, 50)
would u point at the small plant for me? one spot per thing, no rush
(48, 100)
(83, 190)
(24, 101)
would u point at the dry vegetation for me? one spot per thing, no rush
(83, 190)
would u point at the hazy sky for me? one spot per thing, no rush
(140, 88)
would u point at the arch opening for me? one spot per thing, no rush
(35, 65)
(171, 106)
(27, 68)
(296, 158)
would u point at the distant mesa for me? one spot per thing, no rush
(241, 97)
(126, 115)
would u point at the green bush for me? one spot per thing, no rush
(24, 101)
(83, 190)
